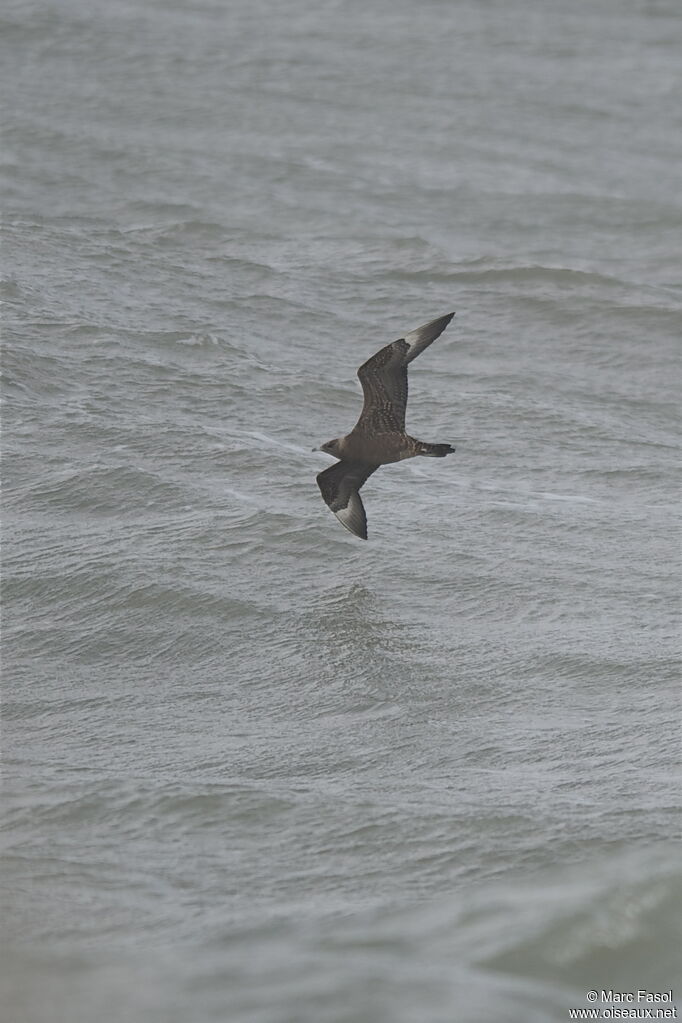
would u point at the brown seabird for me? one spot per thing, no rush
(379, 435)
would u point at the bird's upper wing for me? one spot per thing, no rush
(384, 378)
(339, 485)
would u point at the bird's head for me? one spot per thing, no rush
(332, 447)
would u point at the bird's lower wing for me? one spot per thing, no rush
(339, 486)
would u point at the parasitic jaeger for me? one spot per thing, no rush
(379, 435)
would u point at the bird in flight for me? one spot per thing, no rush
(379, 435)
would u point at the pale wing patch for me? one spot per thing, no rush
(353, 516)
(422, 337)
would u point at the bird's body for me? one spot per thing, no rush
(378, 448)
(379, 435)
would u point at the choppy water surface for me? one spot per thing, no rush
(255, 769)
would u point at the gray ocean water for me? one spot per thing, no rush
(256, 770)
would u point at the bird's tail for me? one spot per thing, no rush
(435, 450)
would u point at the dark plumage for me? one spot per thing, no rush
(379, 435)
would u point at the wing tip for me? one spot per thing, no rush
(434, 328)
(354, 525)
